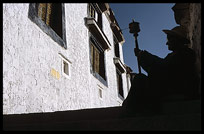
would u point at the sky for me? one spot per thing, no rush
(152, 18)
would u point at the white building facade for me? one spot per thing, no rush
(59, 57)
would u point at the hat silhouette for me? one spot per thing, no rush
(180, 32)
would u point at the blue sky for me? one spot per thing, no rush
(153, 18)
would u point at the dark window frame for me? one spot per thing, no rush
(94, 10)
(33, 16)
(100, 76)
(91, 11)
(119, 84)
(116, 47)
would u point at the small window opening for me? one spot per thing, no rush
(66, 67)
(100, 93)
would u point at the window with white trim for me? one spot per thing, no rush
(66, 66)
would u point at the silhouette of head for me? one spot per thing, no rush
(176, 38)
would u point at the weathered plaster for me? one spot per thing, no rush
(29, 55)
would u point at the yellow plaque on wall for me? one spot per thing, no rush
(55, 73)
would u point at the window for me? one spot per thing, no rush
(66, 66)
(50, 18)
(93, 21)
(97, 57)
(120, 67)
(99, 21)
(119, 84)
(94, 11)
(91, 11)
(116, 46)
(97, 41)
(50, 14)
(44, 12)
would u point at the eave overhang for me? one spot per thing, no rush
(97, 32)
(119, 64)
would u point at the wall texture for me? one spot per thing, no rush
(30, 56)
(195, 33)
(189, 15)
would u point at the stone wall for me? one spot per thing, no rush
(189, 15)
(195, 33)
(31, 59)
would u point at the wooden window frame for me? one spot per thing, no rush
(33, 16)
(119, 84)
(94, 12)
(100, 72)
(91, 11)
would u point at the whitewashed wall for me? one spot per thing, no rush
(29, 55)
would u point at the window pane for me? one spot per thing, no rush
(42, 11)
(92, 54)
(116, 45)
(118, 81)
(56, 18)
(91, 11)
(99, 21)
(97, 57)
(102, 65)
(96, 64)
(66, 69)
(120, 84)
(51, 14)
(49, 11)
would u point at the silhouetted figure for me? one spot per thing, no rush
(173, 75)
